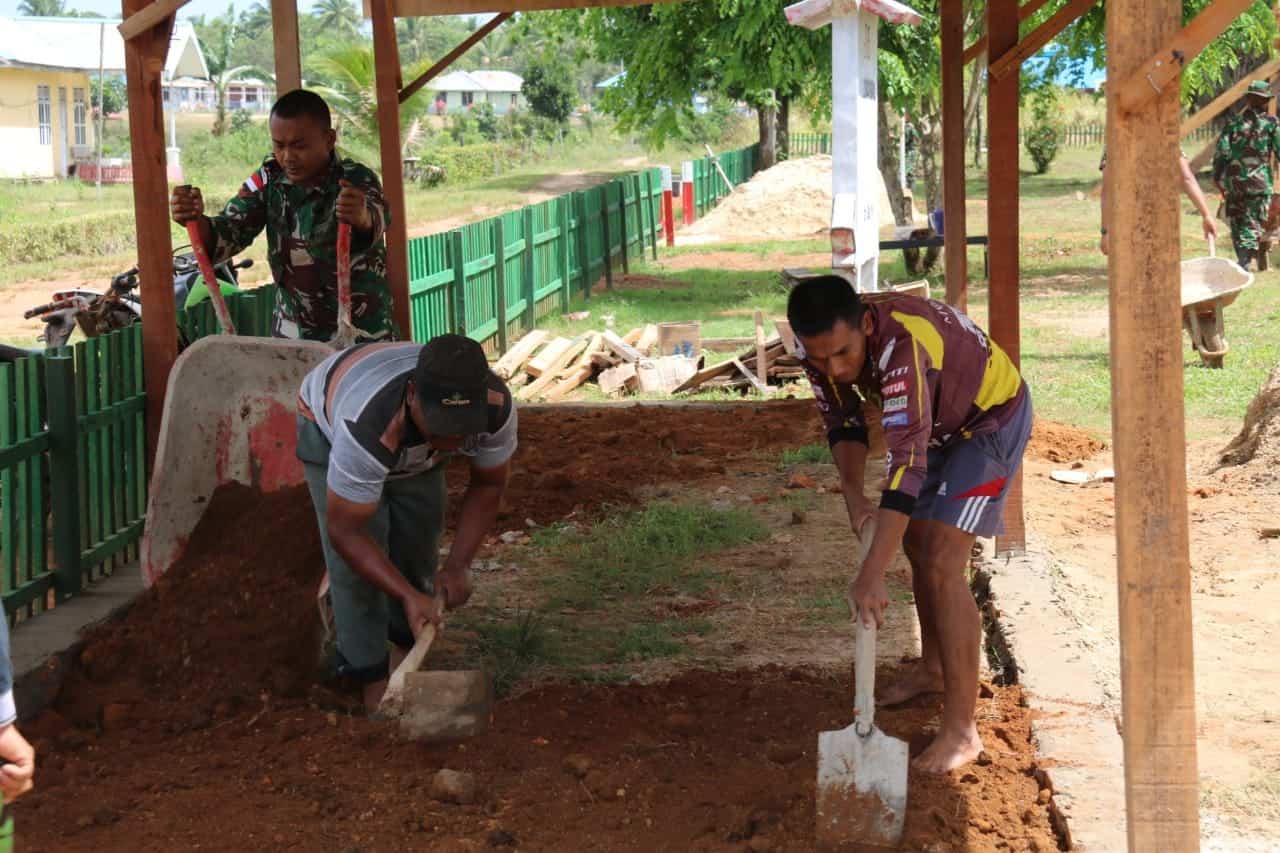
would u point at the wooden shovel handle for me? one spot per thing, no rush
(864, 651)
(210, 278)
(412, 662)
(346, 335)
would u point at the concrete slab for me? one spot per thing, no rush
(42, 648)
(1073, 724)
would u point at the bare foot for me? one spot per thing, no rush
(915, 680)
(949, 751)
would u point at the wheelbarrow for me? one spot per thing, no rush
(1209, 285)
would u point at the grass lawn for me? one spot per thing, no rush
(1065, 349)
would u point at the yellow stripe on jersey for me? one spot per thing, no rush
(897, 479)
(1000, 381)
(923, 331)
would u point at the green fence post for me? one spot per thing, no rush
(622, 223)
(459, 325)
(566, 253)
(529, 286)
(584, 251)
(500, 278)
(64, 471)
(608, 238)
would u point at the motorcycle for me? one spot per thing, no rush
(96, 313)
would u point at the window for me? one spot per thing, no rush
(44, 115)
(515, 100)
(81, 114)
(468, 98)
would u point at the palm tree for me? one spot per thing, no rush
(43, 8)
(353, 94)
(256, 19)
(338, 17)
(218, 37)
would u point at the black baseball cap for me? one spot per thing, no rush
(452, 385)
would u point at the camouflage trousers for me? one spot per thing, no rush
(1247, 216)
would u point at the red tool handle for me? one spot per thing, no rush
(346, 331)
(210, 278)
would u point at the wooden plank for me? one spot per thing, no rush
(1002, 226)
(648, 339)
(386, 56)
(1009, 61)
(452, 56)
(1226, 100)
(762, 357)
(552, 351)
(633, 336)
(554, 369)
(288, 56)
(148, 16)
(724, 368)
(617, 379)
(1166, 65)
(979, 47)
(1149, 437)
(144, 66)
(581, 370)
(664, 374)
(619, 346)
(756, 383)
(415, 8)
(956, 259)
(513, 359)
(784, 334)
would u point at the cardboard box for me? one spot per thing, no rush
(680, 339)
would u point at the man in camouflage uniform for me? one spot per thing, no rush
(300, 194)
(1242, 169)
(911, 151)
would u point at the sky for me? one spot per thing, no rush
(111, 8)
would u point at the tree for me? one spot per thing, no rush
(217, 37)
(743, 50)
(44, 8)
(548, 87)
(353, 96)
(338, 17)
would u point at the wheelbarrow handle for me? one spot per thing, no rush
(210, 278)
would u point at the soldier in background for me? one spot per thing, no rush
(1242, 170)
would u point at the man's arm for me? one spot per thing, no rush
(1191, 187)
(241, 221)
(361, 188)
(476, 515)
(347, 525)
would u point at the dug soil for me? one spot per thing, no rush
(197, 720)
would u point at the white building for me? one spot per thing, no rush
(461, 90)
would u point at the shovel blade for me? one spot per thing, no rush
(862, 788)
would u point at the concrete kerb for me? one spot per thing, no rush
(1074, 729)
(44, 648)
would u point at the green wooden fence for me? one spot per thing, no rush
(73, 485)
(807, 144)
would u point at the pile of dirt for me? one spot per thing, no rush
(708, 761)
(1054, 442)
(791, 201)
(1257, 447)
(585, 459)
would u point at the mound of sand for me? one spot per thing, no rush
(791, 201)
(1257, 447)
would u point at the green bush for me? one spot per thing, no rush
(464, 163)
(1043, 137)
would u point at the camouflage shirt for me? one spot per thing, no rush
(1242, 160)
(302, 240)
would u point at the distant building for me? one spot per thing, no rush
(47, 69)
(461, 90)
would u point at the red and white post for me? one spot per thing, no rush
(686, 192)
(668, 207)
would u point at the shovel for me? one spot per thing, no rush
(862, 772)
(210, 278)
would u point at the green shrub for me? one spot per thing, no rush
(1044, 135)
(99, 234)
(464, 163)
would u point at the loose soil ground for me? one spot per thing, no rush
(196, 721)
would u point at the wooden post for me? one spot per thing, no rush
(500, 279)
(284, 32)
(566, 255)
(650, 218)
(762, 355)
(528, 271)
(1002, 225)
(953, 193)
(584, 250)
(608, 238)
(622, 223)
(386, 56)
(459, 283)
(1157, 676)
(144, 58)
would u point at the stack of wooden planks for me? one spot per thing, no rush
(767, 364)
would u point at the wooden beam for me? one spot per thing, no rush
(147, 16)
(1220, 104)
(1165, 66)
(1157, 676)
(1011, 61)
(979, 47)
(386, 59)
(284, 33)
(415, 8)
(1002, 226)
(956, 260)
(449, 58)
(144, 66)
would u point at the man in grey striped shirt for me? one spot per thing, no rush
(376, 426)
